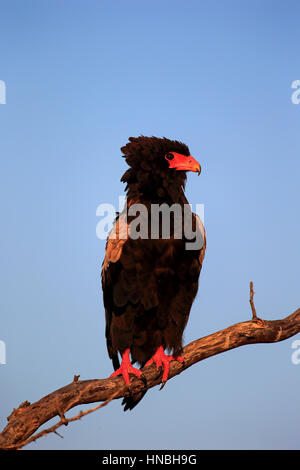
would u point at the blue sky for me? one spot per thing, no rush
(83, 76)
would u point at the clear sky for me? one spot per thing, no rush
(81, 77)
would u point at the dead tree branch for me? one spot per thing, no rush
(27, 418)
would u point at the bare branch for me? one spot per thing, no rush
(27, 419)
(63, 421)
(254, 316)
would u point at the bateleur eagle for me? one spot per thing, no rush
(149, 283)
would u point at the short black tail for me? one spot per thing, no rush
(130, 402)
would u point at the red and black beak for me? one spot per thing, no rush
(182, 162)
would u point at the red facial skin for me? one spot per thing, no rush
(182, 162)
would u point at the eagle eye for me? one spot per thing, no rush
(169, 156)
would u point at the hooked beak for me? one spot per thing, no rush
(183, 162)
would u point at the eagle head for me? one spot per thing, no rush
(158, 167)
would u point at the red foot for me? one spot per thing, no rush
(126, 368)
(162, 360)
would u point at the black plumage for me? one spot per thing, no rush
(149, 285)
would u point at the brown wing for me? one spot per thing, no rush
(113, 250)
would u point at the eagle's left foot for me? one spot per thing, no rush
(163, 360)
(127, 368)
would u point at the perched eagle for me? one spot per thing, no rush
(150, 281)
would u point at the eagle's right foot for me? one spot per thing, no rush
(127, 368)
(163, 360)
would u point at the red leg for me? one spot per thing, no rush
(163, 360)
(126, 368)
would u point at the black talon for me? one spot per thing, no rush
(163, 383)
